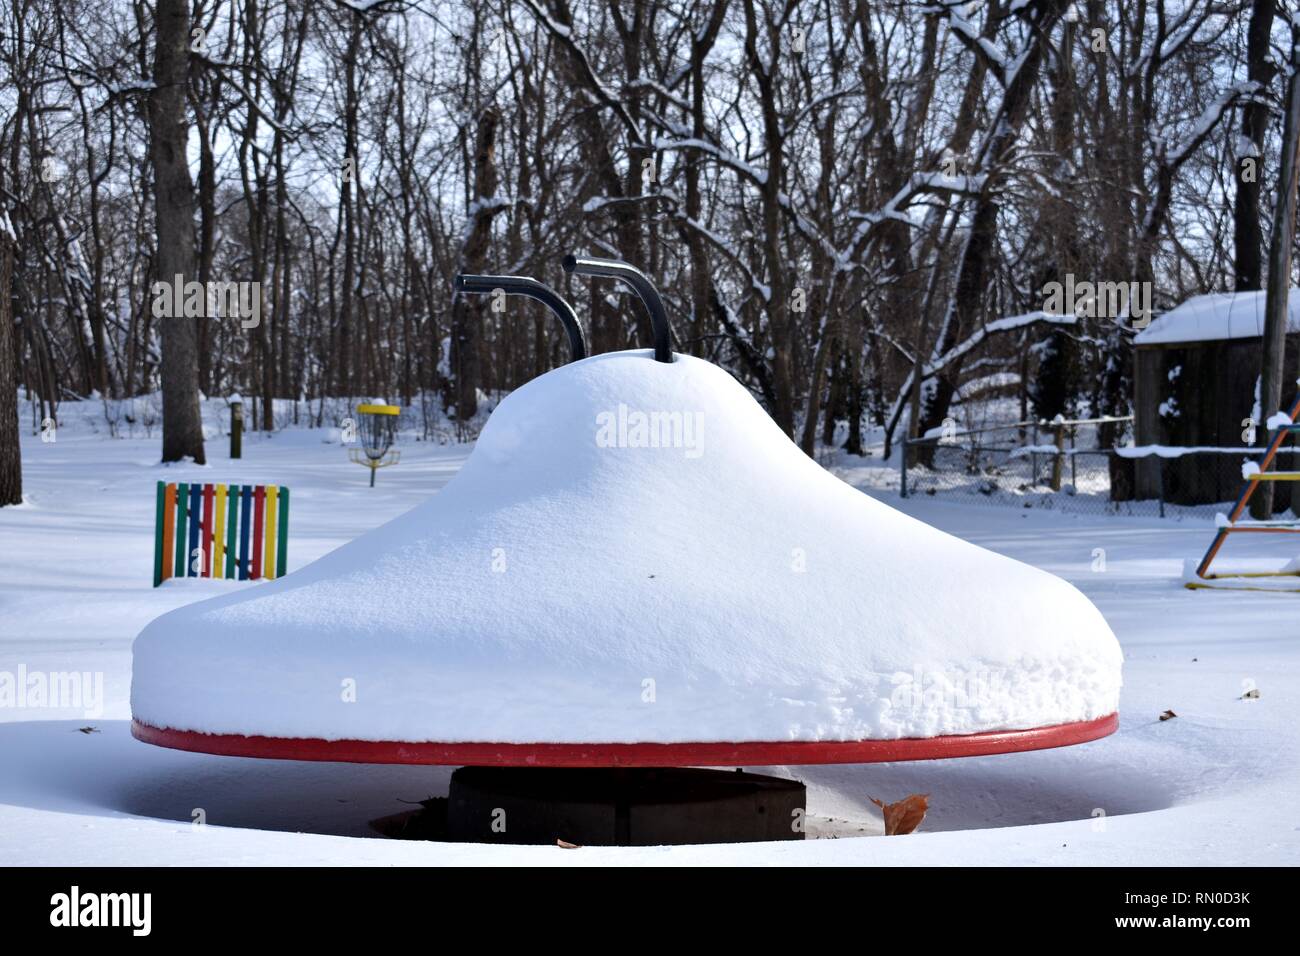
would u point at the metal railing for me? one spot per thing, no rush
(1058, 465)
(992, 450)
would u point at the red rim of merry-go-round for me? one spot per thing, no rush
(696, 754)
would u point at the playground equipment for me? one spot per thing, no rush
(645, 290)
(613, 583)
(530, 288)
(378, 429)
(237, 532)
(1282, 426)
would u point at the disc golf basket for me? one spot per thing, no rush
(378, 429)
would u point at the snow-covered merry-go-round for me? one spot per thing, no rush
(635, 569)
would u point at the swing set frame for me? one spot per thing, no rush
(1283, 526)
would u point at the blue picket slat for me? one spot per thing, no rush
(245, 530)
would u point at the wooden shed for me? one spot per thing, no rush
(1196, 374)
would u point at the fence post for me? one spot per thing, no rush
(1074, 474)
(1033, 457)
(902, 493)
(1161, 468)
(1058, 427)
(236, 426)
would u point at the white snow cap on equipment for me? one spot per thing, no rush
(635, 552)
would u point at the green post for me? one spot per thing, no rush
(902, 490)
(236, 426)
(282, 543)
(1058, 460)
(158, 534)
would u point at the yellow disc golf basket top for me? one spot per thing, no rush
(377, 429)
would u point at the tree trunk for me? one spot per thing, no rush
(467, 317)
(778, 301)
(174, 214)
(967, 307)
(207, 244)
(1279, 268)
(11, 461)
(701, 43)
(352, 172)
(1248, 236)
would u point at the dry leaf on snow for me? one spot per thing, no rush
(905, 815)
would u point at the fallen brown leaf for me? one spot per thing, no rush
(1168, 714)
(566, 845)
(905, 815)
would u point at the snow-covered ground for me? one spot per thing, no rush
(1218, 784)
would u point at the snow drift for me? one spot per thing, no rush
(634, 552)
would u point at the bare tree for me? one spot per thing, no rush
(174, 217)
(467, 316)
(1276, 307)
(11, 463)
(840, 199)
(1248, 236)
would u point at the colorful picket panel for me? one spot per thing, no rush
(234, 532)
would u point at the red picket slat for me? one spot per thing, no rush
(259, 506)
(209, 493)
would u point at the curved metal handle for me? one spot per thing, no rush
(532, 289)
(614, 269)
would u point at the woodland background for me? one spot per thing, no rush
(832, 196)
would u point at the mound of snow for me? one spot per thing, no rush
(635, 552)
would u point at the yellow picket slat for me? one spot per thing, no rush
(272, 516)
(219, 534)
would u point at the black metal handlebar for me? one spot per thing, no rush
(532, 289)
(614, 269)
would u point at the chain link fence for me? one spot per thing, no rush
(1057, 465)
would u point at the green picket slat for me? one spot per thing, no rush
(158, 534)
(282, 543)
(232, 528)
(182, 567)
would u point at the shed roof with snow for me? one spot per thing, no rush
(1214, 317)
